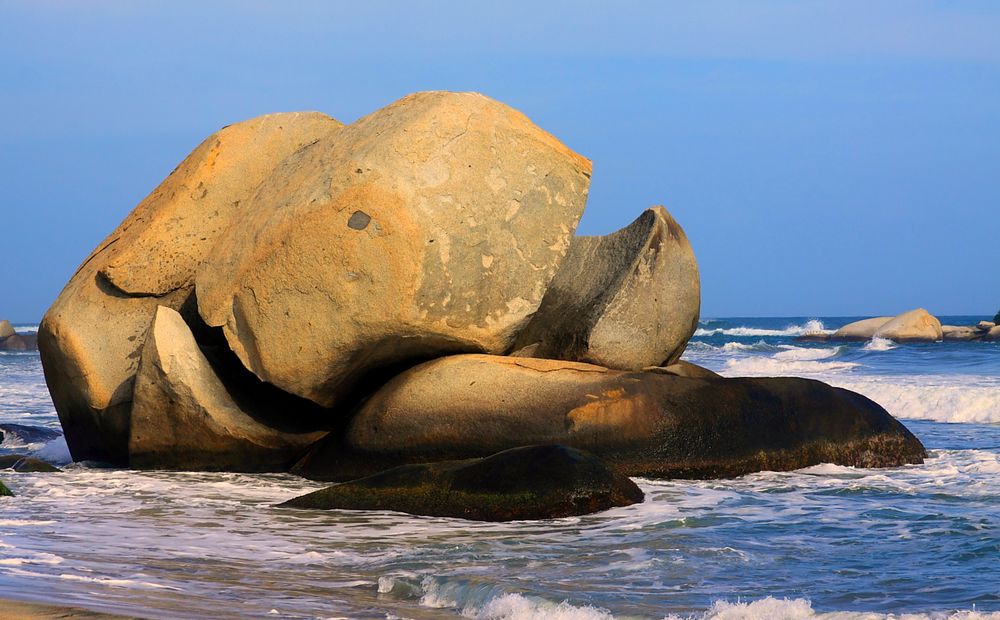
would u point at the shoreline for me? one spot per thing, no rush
(13, 609)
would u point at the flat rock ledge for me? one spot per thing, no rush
(642, 424)
(532, 482)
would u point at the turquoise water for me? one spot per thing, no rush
(825, 542)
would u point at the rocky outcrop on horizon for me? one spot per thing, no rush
(407, 289)
(913, 326)
(10, 340)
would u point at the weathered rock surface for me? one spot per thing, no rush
(534, 482)
(430, 227)
(959, 332)
(642, 424)
(913, 326)
(861, 330)
(19, 342)
(183, 417)
(91, 337)
(6, 329)
(993, 335)
(627, 300)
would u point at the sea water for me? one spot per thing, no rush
(831, 542)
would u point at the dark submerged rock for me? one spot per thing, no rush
(534, 482)
(7, 460)
(641, 424)
(30, 464)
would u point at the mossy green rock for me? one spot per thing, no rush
(30, 464)
(7, 461)
(4, 491)
(533, 482)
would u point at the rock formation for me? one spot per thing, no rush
(861, 330)
(626, 301)
(10, 340)
(430, 227)
(183, 417)
(91, 338)
(534, 482)
(643, 424)
(913, 326)
(355, 294)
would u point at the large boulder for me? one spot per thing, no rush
(642, 424)
(627, 300)
(861, 330)
(429, 227)
(183, 417)
(90, 339)
(533, 482)
(6, 329)
(913, 326)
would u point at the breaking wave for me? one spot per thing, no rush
(808, 327)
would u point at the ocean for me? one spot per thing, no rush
(830, 542)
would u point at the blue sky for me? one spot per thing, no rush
(825, 158)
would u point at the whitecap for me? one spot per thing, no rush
(809, 327)
(941, 399)
(878, 343)
(776, 367)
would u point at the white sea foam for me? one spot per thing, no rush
(942, 399)
(809, 327)
(878, 343)
(770, 608)
(777, 367)
(120, 583)
(518, 607)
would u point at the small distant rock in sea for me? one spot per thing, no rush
(913, 326)
(10, 340)
(293, 275)
(4, 491)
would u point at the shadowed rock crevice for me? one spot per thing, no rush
(265, 403)
(185, 417)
